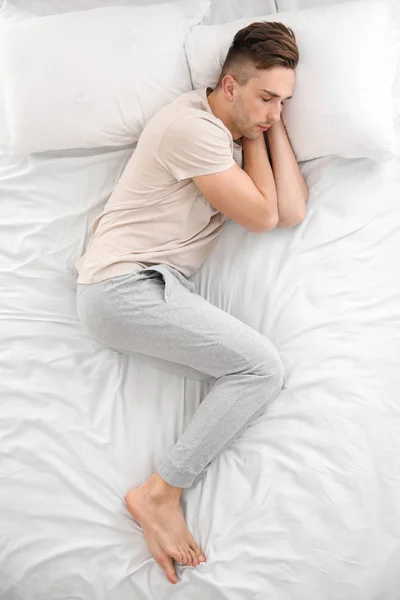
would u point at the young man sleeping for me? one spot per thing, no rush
(157, 228)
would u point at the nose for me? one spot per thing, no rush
(274, 115)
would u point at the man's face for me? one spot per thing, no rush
(255, 108)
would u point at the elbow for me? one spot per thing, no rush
(292, 220)
(268, 223)
(271, 223)
(296, 213)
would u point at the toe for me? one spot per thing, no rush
(198, 552)
(189, 557)
(195, 560)
(179, 555)
(176, 554)
(184, 555)
(168, 566)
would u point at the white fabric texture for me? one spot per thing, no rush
(396, 89)
(223, 11)
(220, 11)
(397, 96)
(42, 8)
(12, 14)
(305, 505)
(332, 110)
(103, 95)
(285, 5)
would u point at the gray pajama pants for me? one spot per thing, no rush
(154, 312)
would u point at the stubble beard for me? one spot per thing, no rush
(243, 122)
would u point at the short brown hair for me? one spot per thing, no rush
(262, 45)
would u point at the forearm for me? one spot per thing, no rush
(292, 191)
(257, 166)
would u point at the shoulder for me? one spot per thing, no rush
(190, 113)
(195, 126)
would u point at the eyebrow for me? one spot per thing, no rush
(273, 94)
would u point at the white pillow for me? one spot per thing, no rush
(342, 102)
(220, 11)
(223, 11)
(397, 95)
(12, 14)
(283, 5)
(41, 8)
(94, 78)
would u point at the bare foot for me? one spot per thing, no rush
(155, 505)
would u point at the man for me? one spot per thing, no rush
(160, 223)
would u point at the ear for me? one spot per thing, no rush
(229, 86)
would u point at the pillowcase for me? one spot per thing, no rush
(397, 95)
(12, 14)
(342, 101)
(285, 5)
(41, 8)
(396, 88)
(223, 11)
(94, 78)
(220, 11)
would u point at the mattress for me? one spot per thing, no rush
(304, 505)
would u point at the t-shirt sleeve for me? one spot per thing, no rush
(194, 146)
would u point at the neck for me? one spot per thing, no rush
(219, 109)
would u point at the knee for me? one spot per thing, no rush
(279, 375)
(267, 363)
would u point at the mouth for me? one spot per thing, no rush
(264, 127)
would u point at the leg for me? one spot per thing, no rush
(186, 332)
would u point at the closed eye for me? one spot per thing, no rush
(269, 100)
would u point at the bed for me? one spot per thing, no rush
(305, 505)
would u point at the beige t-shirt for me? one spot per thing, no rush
(156, 214)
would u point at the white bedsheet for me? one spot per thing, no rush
(305, 505)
